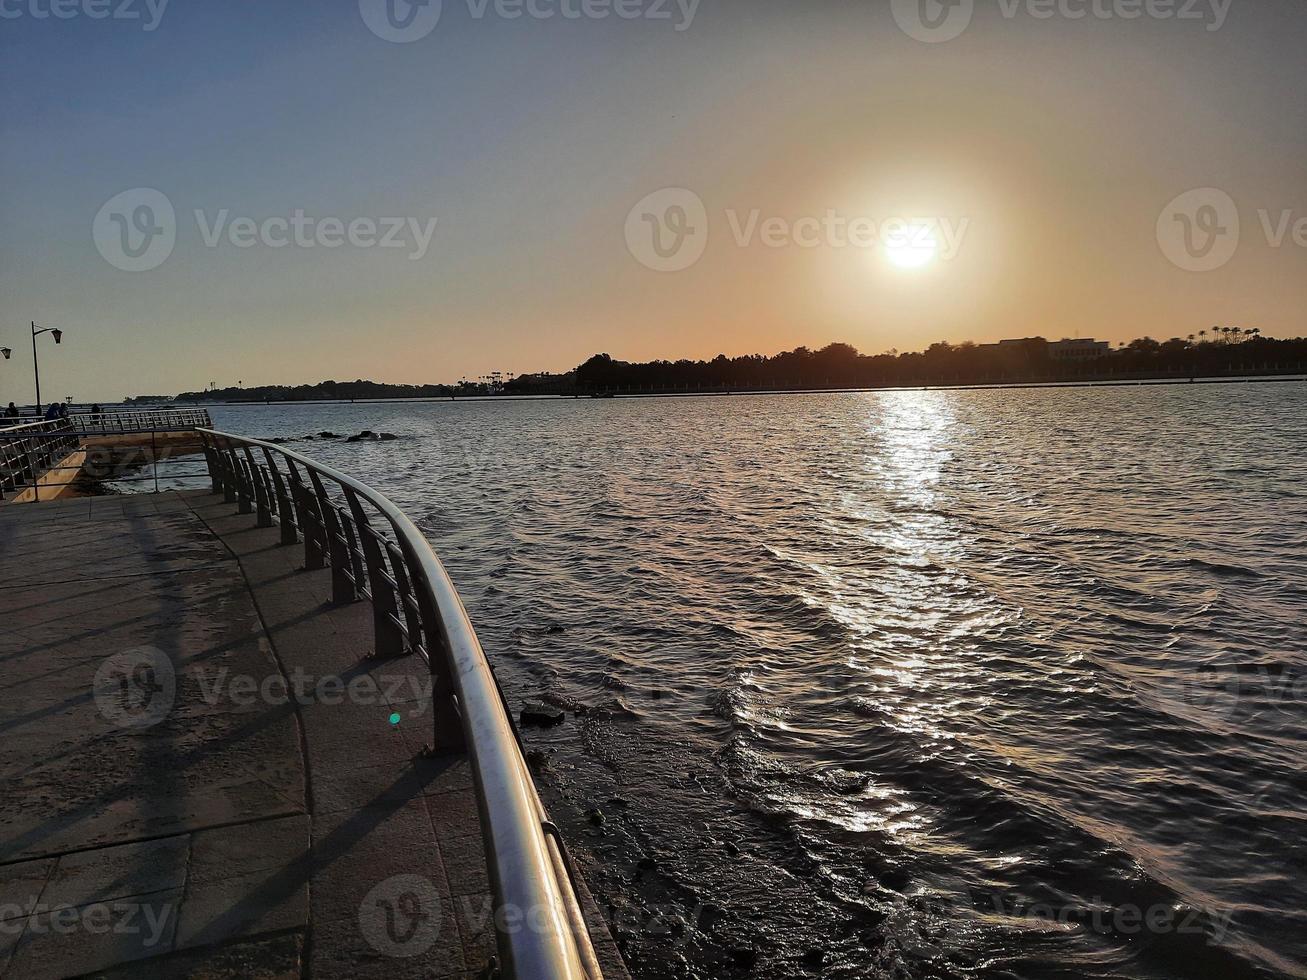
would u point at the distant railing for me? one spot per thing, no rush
(28, 451)
(145, 420)
(375, 552)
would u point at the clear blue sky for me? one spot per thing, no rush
(1056, 143)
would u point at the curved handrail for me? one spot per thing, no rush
(28, 450)
(544, 937)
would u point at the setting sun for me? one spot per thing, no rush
(913, 248)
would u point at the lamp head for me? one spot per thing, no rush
(58, 335)
(7, 352)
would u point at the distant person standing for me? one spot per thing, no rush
(52, 412)
(12, 411)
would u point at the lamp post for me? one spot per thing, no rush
(7, 352)
(58, 336)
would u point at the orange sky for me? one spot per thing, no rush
(1051, 147)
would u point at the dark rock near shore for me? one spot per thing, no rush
(328, 435)
(388, 437)
(744, 958)
(541, 715)
(814, 959)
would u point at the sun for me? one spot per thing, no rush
(913, 247)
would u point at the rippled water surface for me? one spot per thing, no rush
(919, 684)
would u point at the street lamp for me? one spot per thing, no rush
(58, 336)
(7, 352)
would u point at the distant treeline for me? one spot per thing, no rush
(326, 391)
(841, 366)
(1227, 351)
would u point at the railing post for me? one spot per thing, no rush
(211, 461)
(229, 473)
(260, 491)
(388, 639)
(342, 589)
(315, 552)
(244, 489)
(285, 512)
(446, 728)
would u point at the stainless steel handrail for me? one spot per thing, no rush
(138, 420)
(415, 606)
(27, 451)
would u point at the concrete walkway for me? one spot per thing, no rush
(202, 775)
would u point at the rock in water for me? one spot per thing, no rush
(541, 715)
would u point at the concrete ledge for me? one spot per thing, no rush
(57, 483)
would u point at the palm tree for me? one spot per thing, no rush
(1202, 335)
(1190, 338)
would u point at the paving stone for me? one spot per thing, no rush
(72, 941)
(21, 886)
(454, 813)
(11, 932)
(117, 872)
(342, 950)
(381, 783)
(242, 849)
(246, 905)
(465, 865)
(356, 850)
(275, 958)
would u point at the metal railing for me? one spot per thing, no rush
(375, 552)
(147, 420)
(29, 451)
